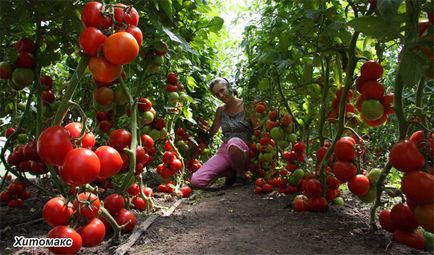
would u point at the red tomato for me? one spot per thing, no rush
(171, 78)
(137, 33)
(128, 218)
(332, 194)
(110, 160)
(425, 216)
(313, 188)
(26, 45)
(405, 156)
(267, 188)
(65, 232)
(168, 157)
(114, 203)
(317, 204)
(56, 212)
(344, 171)
(371, 70)
(105, 126)
(372, 90)
(47, 81)
(419, 187)
(413, 239)
(148, 192)
(127, 14)
(332, 182)
(88, 141)
(9, 131)
(386, 221)
(375, 123)
(141, 156)
(185, 191)
(92, 16)
(387, 102)
(359, 184)
(121, 48)
(134, 189)
(53, 145)
(89, 204)
(81, 166)
(300, 203)
(74, 129)
(93, 233)
(139, 203)
(120, 139)
(144, 104)
(344, 149)
(48, 96)
(25, 60)
(147, 142)
(102, 70)
(91, 39)
(403, 218)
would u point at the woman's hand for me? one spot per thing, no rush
(202, 124)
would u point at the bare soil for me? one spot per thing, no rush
(231, 221)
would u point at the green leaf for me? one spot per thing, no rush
(177, 38)
(376, 27)
(191, 83)
(411, 68)
(388, 8)
(215, 24)
(167, 7)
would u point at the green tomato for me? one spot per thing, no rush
(277, 133)
(293, 181)
(268, 156)
(155, 134)
(283, 143)
(370, 196)
(173, 97)
(148, 117)
(22, 138)
(21, 78)
(339, 201)
(182, 145)
(429, 240)
(374, 175)
(292, 138)
(183, 97)
(298, 174)
(372, 109)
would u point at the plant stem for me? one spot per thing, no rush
(324, 101)
(352, 61)
(132, 150)
(70, 89)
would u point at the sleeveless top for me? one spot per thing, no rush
(236, 126)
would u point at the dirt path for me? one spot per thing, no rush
(237, 221)
(232, 221)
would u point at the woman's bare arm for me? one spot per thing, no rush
(216, 123)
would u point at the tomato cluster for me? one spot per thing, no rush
(410, 157)
(174, 90)
(26, 159)
(20, 74)
(373, 104)
(47, 94)
(109, 51)
(333, 114)
(15, 194)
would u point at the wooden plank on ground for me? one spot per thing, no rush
(122, 249)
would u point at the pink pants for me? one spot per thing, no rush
(217, 166)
